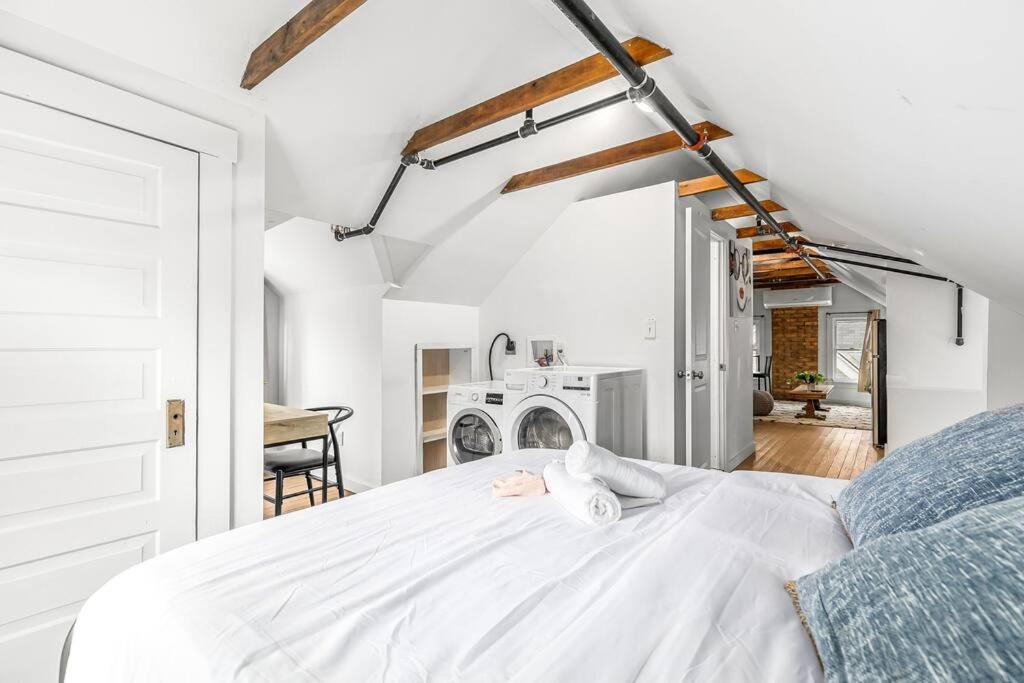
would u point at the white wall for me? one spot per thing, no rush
(406, 324)
(592, 279)
(271, 344)
(331, 345)
(932, 382)
(1005, 357)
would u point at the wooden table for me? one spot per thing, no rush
(820, 392)
(283, 425)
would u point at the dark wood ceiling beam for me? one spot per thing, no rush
(774, 245)
(688, 188)
(726, 213)
(607, 158)
(567, 80)
(754, 231)
(311, 22)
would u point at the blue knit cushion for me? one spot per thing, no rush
(945, 603)
(972, 463)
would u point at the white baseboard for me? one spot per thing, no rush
(353, 485)
(739, 456)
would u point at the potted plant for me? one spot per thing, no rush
(811, 379)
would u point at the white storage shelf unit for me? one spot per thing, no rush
(437, 367)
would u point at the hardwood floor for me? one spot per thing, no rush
(803, 449)
(292, 485)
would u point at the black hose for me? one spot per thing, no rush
(490, 352)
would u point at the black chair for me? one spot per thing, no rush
(293, 462)
(766, 375)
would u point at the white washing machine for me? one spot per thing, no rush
(553, 407)
(475, 417)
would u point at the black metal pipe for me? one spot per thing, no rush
(483, 146)
(876, 266)
(395, 179)
(584, 18)
(959, 315)
(859, 252)
(540, 125)
(584, 110)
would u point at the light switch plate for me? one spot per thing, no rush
(652, 329)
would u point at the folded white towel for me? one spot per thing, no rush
(585, 498)
(622, 475)
(629, 502)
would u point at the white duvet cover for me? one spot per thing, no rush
(433, 579)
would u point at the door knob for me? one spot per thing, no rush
(680, 374)
(698, 374)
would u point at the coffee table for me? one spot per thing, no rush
(820, 392)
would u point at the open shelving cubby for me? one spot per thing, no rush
(437, 367)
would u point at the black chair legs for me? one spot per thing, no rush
(309, 489)
(337, 472)
(278, 492)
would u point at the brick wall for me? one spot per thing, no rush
(794, 346)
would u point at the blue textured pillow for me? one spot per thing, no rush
(945, 603)
(972, 463)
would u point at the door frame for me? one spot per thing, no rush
(718, 330)
(41, 83)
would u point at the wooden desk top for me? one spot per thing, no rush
(820, 391)
(282, 424)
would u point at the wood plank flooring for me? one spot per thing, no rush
(804, 449)
(292, 485)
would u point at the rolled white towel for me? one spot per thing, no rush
(584, 498)
(622, 475)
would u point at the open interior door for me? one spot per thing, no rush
(98, 311)
(693, 360)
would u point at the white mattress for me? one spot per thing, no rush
(431, 578)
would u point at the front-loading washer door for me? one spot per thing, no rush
(543, 421)
(473, 435)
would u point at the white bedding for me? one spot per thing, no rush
(432, 578)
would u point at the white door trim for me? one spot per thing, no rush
(36, 81)
(42, 83)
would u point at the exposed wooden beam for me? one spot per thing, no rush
(742, 233)
(606, 158)
(782, 266)
(311, 22)
(726, 213)
(714, 182)
(567, 80)
(790, 274)
(773, 245)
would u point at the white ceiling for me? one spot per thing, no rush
(879, 124)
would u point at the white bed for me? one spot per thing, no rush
(431, 578)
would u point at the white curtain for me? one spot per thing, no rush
(867, 356)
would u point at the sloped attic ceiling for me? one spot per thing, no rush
(877, 123)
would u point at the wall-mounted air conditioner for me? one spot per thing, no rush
(793, 298)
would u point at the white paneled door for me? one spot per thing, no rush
(698, 352)
(98, 299)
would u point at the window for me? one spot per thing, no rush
(757, 341)
(845, 346)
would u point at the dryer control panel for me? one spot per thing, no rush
(577, 382)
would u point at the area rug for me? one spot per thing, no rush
(846, 417)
